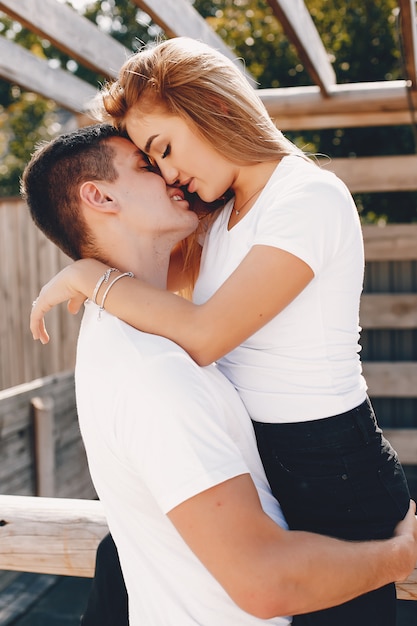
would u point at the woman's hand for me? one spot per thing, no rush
(74, 284)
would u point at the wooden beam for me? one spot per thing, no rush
(353, 119)
(60, 536)
(376, 174)
(391, 311)
(70, 32)
(392, 242)
(180, 18)
(407, 20)
(301, 31)
(355, 104)
(50, 535)
(19, 66)
(293, 108)
(387, 379)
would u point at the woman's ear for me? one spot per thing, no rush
(96, 196)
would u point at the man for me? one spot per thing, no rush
(170, 446)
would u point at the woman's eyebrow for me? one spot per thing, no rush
(149, 142)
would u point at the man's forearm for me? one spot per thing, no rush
(316, 572)
(268, 571)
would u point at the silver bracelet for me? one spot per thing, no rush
(130, 274)
(101, 280)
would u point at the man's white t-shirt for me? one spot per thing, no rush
(158, 430)
(304, 363)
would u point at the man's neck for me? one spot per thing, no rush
(150, 265)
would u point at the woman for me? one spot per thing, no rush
(276, 302)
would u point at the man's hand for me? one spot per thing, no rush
(407, 529)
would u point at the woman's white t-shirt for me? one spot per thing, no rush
(304, 364)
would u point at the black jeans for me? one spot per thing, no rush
(107, 603)
(338, 476)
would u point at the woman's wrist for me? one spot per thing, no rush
(86, 275)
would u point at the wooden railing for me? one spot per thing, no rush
(60, 536)
(50, 535)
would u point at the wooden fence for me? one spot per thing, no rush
(41, 450)
(389, 320)
(27, 261)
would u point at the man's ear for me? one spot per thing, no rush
(96, 196)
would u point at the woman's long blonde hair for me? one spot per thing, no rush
(190, 79)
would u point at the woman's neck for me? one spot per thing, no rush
(251, 180)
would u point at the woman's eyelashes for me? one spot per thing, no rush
(166, 152)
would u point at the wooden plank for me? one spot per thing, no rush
(376, 174)
(380, 310)
(4, 282)
(34, 386)
(349, 119)
(15, 401)
(404, 441)
(395, 242)
(408, 20)
(6, 578)
(50, 535)
(301, 31)
(17, 463)
(19, 66)
(70, 32)
(391, 379)
(21, 594)
(22, 253)
(353, 104)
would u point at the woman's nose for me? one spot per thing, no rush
(170, 174)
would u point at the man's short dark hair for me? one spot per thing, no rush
(52, 178)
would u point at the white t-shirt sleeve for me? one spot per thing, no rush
(306, 216)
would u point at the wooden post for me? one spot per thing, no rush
(43, 427)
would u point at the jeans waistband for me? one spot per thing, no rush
(358, 421)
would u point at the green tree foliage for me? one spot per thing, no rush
(360, 36)
(250, 28)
